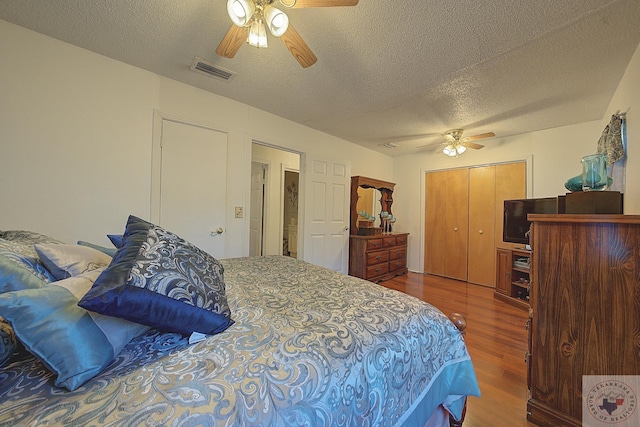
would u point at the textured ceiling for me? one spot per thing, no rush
(387, 71)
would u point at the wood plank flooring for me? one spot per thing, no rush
(497, 341)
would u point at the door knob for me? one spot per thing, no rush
(217, 231)
(455, 228)
(480, 231)
(346, 228)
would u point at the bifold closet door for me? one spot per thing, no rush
(463, 219)
(489, 187)
(482, 254)
(446, 223)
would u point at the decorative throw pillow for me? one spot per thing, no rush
(64, 261)
(8, 341)
(158, 279)
(72, 342)
(116, 239)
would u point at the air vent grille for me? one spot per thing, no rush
(202, 66)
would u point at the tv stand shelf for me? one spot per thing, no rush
(513, 276)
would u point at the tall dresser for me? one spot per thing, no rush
(585, 309)
(379, 257)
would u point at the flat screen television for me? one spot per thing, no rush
(516, 225)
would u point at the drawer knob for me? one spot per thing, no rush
(378, 257)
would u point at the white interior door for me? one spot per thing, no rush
(326, 212)
(193, 182)
(256, 216)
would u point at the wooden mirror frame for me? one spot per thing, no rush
(386, 198)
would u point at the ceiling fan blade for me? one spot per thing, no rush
(232, 41)
(480, 136)
(298, 47)
(320, 3)
(473, 145)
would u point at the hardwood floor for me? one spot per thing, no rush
(497, 341)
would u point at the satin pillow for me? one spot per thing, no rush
(72, 342)
(159, 279)
(64, 261)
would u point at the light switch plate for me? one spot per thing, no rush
(239, 212)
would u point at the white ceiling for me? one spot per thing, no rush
(387, 70)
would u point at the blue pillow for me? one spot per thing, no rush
(158, 279)
(72, 342)
(116, 239)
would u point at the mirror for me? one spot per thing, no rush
(369, 201)
(372, 196)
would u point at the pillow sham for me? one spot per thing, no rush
(8, 343)
(64, 261)
(161, 280)
(72, 342)
(27, 237)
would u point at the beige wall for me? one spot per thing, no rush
(76, 133)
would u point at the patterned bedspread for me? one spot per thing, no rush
(309, 347)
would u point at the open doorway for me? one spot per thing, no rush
(290, 210)
(274, 205)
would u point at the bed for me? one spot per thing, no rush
(304, 346)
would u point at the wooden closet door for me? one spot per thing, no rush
(511, 183)
(482, 253)
(446, 223)
(435, 236)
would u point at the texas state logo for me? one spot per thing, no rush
(610, 402)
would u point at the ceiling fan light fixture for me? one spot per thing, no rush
(240, 11)
(277, 20)
(449, 150)
(460, 149)
(257, 34)
(288, 3)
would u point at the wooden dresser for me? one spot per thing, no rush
(377, 258)
(585, 309)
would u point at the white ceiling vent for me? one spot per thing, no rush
(203, 66)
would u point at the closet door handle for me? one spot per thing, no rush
(455, 228)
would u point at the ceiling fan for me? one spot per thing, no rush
(455, 144)
(250, 16)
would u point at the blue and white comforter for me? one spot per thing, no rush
(309, 347)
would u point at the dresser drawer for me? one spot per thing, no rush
(374, 244)
(398, 253)
(397, 264)
(376, 270)
(377, 257)
(388, 241)
(401, 240)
